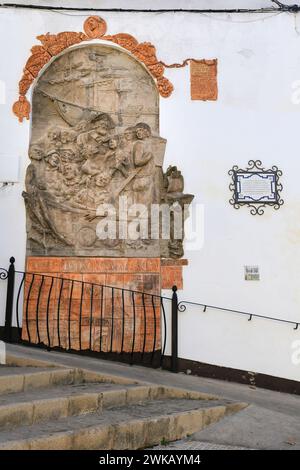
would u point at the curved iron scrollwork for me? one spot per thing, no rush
(266, 187)
(181, 307)
(3, 274)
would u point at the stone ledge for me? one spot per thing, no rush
(70, 264)
(121, 272)
(174, 262)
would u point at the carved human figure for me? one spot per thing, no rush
(53, 160)
(37, 200)
(81, 126)
(69, 155)
(36, 152)
(144, 165)
(121, 164)
(178, 201)
(71, 174)
(116, 159)
(141, 153)
(52, 173)
(96, 159)
(67, 136)
(53, 138)
(174, 181)
(98, 131)
(102, 180)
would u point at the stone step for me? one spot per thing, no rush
(35, 395)
(40, 405)
(21, 379)
(131, 426)
(53, 406)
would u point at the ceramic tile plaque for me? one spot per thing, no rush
(203, 76)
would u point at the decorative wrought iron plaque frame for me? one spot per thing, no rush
(266, 187)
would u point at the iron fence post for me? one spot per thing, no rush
(9, 301)
(174, 360)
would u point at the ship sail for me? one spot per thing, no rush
(72, 113)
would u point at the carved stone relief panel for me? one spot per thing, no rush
(95, 137)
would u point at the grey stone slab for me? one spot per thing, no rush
(186, 444)
(13, 370)
(59, 391)
(255, 427)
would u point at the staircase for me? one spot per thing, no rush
(72, 408)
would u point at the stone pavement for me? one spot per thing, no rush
(271, 421)
(186, 444)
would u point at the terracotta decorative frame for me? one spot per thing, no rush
(94, 28)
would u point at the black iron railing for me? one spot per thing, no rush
(86, 317)
(110, 322)
(182, 306)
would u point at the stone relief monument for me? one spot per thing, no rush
(95, 138)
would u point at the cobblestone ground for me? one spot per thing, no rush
(196, 445)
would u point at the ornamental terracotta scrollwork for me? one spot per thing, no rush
(94, 28)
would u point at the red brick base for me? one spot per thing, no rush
(112, 319)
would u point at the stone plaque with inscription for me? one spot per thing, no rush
(256, 187)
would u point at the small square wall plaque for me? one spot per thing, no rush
(252, 273)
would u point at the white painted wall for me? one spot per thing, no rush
(254, 118)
